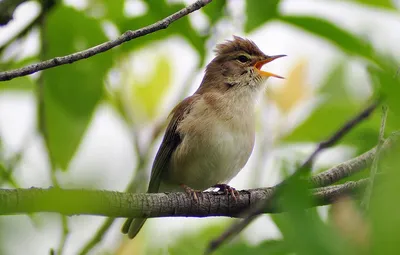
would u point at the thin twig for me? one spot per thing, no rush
(11, 164)
(125, 37)
(97, 237)
(64, 234)
(342, 131)
(352, 166)
(375, 162)
(258, 209)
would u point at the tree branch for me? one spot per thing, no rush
(125, 37)
(332, 140)
(119, 204)
(351, 166)
(375, 162)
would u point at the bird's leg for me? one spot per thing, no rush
(191, 192)
(227, 189)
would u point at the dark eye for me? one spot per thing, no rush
(243, 58)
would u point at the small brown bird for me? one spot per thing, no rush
(211, 134)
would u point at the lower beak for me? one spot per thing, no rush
(260, 64)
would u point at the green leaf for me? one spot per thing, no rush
(384, 208)
(192, 243)
(258, 12)
(341, 38)
(336, 109)
(376, 3)
(387, 82)
(328, 118)
(196, 243)
(270, 247)
(23, 83)
(71, 92)
(215, 10)
(145, 97)
(303, 230)
(329, 114)
(114, 10)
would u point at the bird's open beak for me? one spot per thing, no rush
(260, 64)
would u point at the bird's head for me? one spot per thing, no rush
(237, 64)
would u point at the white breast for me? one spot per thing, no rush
(214, 148)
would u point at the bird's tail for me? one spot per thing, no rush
(132, 226)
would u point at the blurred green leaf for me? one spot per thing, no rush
(195, 243)
(388, 83)
(270, 247)
(334, 87)
(336, 108)
(215, 10)
(303, 231)
(71, 92)
(114, 10)
(384, 208)
(144, 97)
(258, 12)
(333, 33)
(192, 243)
(23, 83)
(376, 3)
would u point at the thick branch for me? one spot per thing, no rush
(127, 36)
(118, 204)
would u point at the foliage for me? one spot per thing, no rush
(70, 95)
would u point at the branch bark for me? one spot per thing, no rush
(125, 37)
(119, 204)
(351, 166)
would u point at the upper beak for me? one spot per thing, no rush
(259, 65)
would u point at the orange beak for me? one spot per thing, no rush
(260, 64)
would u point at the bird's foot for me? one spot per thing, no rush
(227, 190)
(192, 192)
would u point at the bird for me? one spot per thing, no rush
(211, 134)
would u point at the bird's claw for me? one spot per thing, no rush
(227, 190)
(192, 192)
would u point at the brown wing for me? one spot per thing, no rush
(170, 142)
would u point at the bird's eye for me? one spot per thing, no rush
(243, 58)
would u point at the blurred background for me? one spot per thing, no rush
(97, 123)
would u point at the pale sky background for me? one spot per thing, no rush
(106, 153)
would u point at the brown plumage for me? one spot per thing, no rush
(238, 44)
(210, 135)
